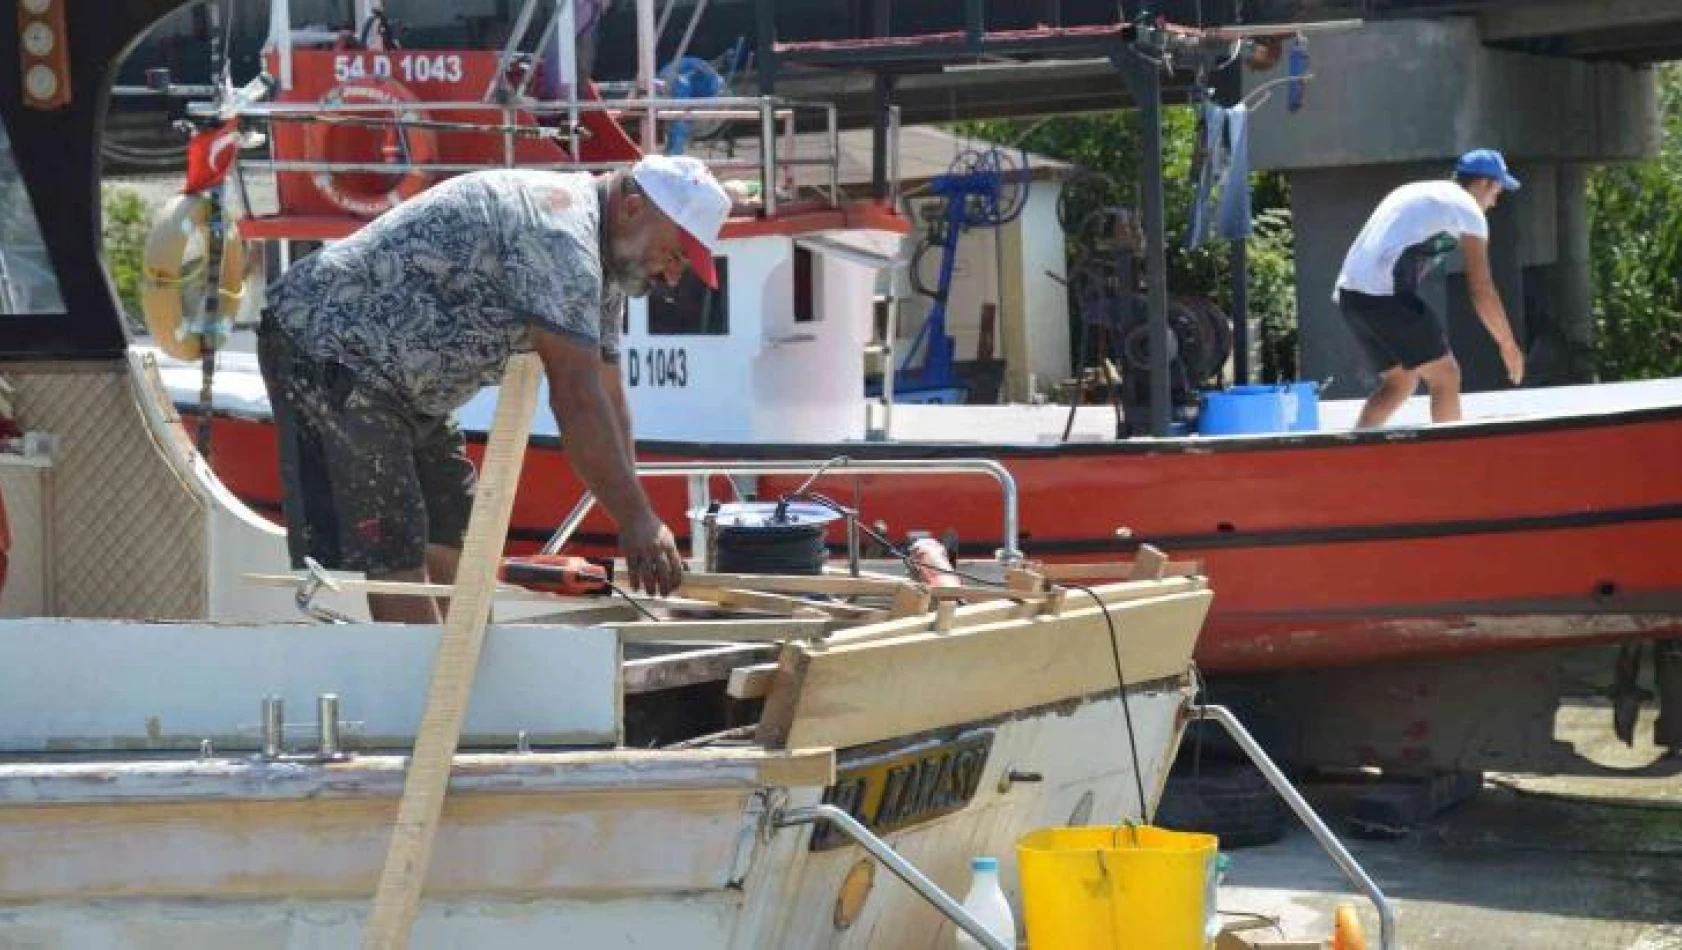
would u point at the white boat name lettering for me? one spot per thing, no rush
(409, 67)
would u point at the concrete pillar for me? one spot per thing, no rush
(1396, 101)
(1572, 291)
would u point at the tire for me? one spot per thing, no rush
(1231, 801)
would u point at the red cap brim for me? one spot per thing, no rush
(700, 259)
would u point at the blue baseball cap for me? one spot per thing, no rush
(1486, 163)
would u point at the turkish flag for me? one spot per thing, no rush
(210, 154)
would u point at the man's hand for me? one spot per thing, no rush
(1514, 358)
(651, 556)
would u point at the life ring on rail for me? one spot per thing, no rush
(368, 194)
(173, 287)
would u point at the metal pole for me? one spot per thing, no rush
(274, 727)
(1346, 862)
(1010, 526)
(765, 56)
(1146, 88)
(901, 868)
(768, 155)
(645, 68)
(1230, 86)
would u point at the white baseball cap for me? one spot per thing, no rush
(685, 190)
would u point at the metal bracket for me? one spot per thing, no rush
(1352, 870)
(891, 859)
(311, 585)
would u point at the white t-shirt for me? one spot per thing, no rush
(1410, 230)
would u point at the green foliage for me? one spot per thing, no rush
(127, 217)
(1635, 240)
(1112, 144)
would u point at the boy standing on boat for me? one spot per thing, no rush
(1412, 230)
(369, 345)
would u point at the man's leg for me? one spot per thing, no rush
(369, 443)
(447, 481)
(1442, 378)
(1395, 385)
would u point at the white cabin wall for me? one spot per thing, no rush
(1032, 334)
(769, 379)
(1034, 319)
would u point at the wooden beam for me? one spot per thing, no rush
(398, 897)
(794, 584)
(727, 631)
(785, 604)
(1149, 565)
(995, 610)
(855, 694)
(688, 668)
(357, 585)
(1114, 570)
(751, 682)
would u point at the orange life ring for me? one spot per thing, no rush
(368, 194)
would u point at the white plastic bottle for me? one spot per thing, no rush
(986, 902)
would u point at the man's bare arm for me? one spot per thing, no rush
(596, 450)
(613, 383)
(1480, 282)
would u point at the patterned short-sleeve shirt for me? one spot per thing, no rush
(431, 299)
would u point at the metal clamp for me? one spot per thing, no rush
(1340, 855)
(891, 859)
(311, 585)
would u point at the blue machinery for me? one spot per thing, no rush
(983, 188)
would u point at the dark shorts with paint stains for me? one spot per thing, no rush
(367, 484)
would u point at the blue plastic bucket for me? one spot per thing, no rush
(1247, 409)
(1307, 415)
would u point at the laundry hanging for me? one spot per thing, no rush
(1222, 199)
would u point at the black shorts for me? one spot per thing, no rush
(1398, 330)
(366, 483)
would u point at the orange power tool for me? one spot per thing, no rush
(564, 574)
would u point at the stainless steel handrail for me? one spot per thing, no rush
(891, 859)
(1010, 527)
(1340, 855)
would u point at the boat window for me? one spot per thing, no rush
(692, 308)
(27, 281)
(805, 310)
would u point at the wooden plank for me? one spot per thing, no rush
(795, 584)
(784, 604)
(996, 610)
(910, 602)
(726, 631)
(398, 897)
(973, 593)
(751, 682)
(357, 585)
(798, 768)
(1149, 564)
(1114, 570)
(855, 694)
(690, 667)
(777, 717)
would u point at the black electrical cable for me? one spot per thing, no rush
(1126, 707)
(631, 600)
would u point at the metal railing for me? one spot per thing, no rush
(700, 474)
(768, 111)
(891, 859)
(1340, 855)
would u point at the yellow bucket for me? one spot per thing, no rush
(1114, 888)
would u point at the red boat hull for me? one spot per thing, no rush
(1323, 549)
